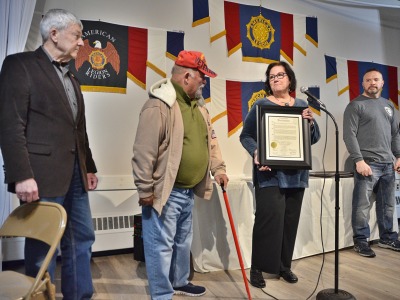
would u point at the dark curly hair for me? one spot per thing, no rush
(289, 72)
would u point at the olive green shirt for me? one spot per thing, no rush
(194, 161)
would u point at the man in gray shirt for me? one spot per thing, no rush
(371, 135)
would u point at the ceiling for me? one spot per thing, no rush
(376, 3)
(389, 10)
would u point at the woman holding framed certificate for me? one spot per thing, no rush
(276, 132)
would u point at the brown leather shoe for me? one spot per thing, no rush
(289, 276)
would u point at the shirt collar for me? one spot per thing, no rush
(54, 62)
(180, 94)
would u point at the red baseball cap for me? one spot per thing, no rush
(195, 60)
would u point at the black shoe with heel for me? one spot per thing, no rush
(256, 278)
(289, 276)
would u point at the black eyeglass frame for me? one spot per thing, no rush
(280, 75)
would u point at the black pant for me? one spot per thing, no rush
(275, 228)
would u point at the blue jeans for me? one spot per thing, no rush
(76, 243)
(167, 240)
(382, 183)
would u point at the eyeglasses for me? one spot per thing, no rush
(279, 76)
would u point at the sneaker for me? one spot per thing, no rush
(364, 250)
(190, 290)
(394, 245)
(256, 278)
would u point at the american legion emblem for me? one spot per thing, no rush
(98, 57)
(260, 32)
(254, 97)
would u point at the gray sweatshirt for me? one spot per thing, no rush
(371, 130)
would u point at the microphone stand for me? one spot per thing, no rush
(335, 293)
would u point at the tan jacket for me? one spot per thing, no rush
(158, 147)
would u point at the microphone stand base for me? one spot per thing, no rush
(329, 294)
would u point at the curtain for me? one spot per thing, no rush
(15, 21)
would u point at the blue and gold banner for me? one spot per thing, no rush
(312, 30)
(175, 43)
(263, 35)
(201, 13)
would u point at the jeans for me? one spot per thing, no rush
(167, 240)
(76, 243)
(382, 183)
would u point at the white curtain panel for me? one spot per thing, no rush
(4, 15)
(15, 21)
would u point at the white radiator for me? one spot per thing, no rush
(112, 212)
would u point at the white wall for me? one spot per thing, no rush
(348, 32)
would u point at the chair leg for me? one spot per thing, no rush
(50, 288)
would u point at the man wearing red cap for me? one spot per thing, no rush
(174, 152)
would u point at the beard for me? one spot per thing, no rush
(199, 92)
(372, 91)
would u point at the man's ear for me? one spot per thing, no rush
(186, 78)
(53, 35)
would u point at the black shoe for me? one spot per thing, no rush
(190, 290)
(389, 244)
(289, 276)
(256, 278)
(364, 249)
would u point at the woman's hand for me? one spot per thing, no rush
(257, 163)
(307, 114)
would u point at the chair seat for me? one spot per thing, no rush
(43, 221)
(16, 285)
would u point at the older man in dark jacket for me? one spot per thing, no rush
(45, 146)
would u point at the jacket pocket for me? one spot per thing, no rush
(39, 149)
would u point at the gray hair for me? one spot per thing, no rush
(58, 19)
(176, 69)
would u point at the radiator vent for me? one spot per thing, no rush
(107, 223)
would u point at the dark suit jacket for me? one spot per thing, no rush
(38, 136)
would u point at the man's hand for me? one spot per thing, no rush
(363, 168)
(222, 180)
(148, 201)
(27, 190)
(397, 165)
(92, 181)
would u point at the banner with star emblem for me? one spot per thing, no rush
(262, 34)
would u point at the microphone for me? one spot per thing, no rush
(304, 90)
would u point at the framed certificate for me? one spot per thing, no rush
(283, 137)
